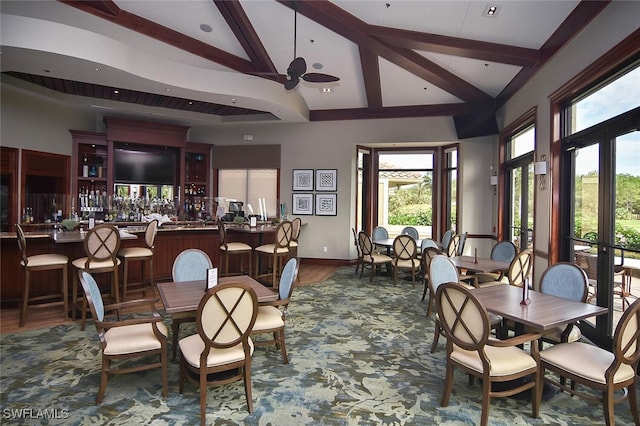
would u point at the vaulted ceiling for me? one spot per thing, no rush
(217, 62)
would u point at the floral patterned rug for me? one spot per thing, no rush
(359, 355)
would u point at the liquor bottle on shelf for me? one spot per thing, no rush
(85, 166)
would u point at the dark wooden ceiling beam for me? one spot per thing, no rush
(494, 52)
(371, 77)
(241, 26)
(356, 30)
(165, 35)
(442, 110)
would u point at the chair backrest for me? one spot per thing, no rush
(296, 226)
(191, 265)
(520, 268)
(589, 263)
(150, 233)
(102, 243)
(22, 245)
(504, 251)
(284, 231)
(222, 232)
(426, 243)
(379, 233)
(442, 270)
(356, 243)
(410, 230)
(463, 241)
(366, 246)
(454, 243)
(428, 254)
(626, 339)
(566, 280)
(226, 315)
(288, 277)
(447, 237)
(93, 295)
(405, 247)
(464, 320)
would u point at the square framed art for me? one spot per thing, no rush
(303, 179)
(302, 204)
(326, 204)
(326, 180)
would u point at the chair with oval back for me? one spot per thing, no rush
(425, 260)
(569, 281)
(452, 248)
(189, 265)
(358, 251)
(606, 371)
(369, 256)
(143, 254)
(446, 238)
(296, 227)
(101, 245)
(412, 231)
(405, 249)
(272, 315)
(504, 251)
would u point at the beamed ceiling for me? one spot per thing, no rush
(218, 62)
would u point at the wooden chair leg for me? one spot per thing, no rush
(25, 297)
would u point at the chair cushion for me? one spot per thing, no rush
(585, 360)
(46, 260)
(135, 252)
(237, 246)
(269, 248)
(191, 347)
(102, 264)
(504, 361)
(554, 334)
(408, 264)
(132, 338)
(269, 318)
(378, 258)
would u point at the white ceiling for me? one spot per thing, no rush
(54, 39)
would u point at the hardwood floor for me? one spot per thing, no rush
(52, 316)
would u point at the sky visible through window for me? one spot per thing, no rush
(620, 96)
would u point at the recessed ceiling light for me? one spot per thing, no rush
(491, 10)
(317, 66)
(116, 92)
(96, 69)
(206, 28)
(326, 90)
(168, 89)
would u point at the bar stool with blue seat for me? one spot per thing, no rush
(41, 262)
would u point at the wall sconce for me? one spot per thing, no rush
(493, 181)
(540, 170)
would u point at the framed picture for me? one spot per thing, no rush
(326, 204)
(326, 180)
(303, 180)
(302, 204)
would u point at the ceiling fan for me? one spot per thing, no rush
(298, 67)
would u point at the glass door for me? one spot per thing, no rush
(520, 185)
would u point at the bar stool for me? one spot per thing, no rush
(228, 249)
(143, 254)
(275, 252)
(41, 262)
(101, 246)
(296, 227)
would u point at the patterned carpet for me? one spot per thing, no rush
(359, 355)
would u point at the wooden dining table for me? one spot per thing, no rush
(179, 297)
(473, 264)
(544, 311)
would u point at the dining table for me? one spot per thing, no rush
(180, 297)
(543, 312)
(479, 264)
(387, 243)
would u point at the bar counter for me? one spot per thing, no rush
(172, 238)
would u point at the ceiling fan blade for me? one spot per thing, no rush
(297, 67)
(315, 77)
(291, 83)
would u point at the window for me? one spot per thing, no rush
(405, 191)
(451, 188)
(248, 186)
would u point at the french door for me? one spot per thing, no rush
(603, 178)
(520, 185)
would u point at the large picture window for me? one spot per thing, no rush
(247, 186)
